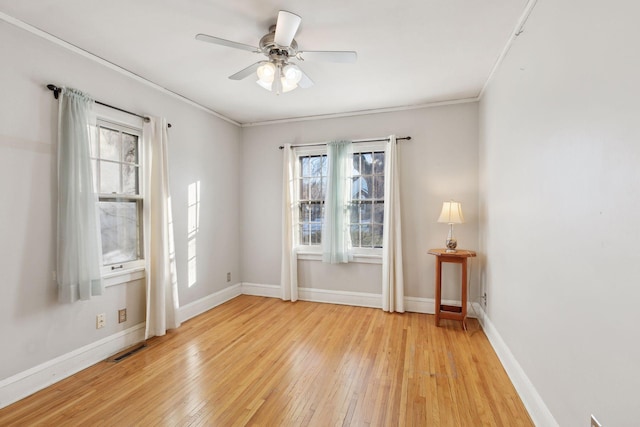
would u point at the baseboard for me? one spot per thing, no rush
(197, 307)
(538, 411)
(428, 305)
(258, 290)
(359, 299)
(34, 379)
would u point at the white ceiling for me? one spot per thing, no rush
(410, 52)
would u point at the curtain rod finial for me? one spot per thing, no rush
(56, 90)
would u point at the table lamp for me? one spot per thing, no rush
(451, 214)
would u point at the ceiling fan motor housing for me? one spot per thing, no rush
(274, 51)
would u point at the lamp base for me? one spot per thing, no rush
(451, 244)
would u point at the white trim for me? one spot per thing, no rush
(359, 299)
(259, 290)
(120, 277)
(519, 28)
(362, 112)
(86, 54)
(357, 257)
(538, 411)
(41, 376)
(428, 305)
(198, 307)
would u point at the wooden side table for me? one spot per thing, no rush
(451, 311)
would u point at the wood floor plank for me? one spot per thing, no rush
(257, 361)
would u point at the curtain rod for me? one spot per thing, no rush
(56, 91)
(405, 138)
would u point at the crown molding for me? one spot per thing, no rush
(86, 54)
(361, 112)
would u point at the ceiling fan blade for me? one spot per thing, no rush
(305, 82)
(286, 28)
(224, 42)
(242, 74)
(344, 56)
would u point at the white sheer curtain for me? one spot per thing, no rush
(289, 267)
(392, 277)
(79, 255)
(162, 286)
(336, 241)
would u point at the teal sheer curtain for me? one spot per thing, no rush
(79, 253)
(336, 240)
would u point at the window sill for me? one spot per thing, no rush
(123, 276)
(373, 258)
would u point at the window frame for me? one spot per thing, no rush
(123, 272)
(368, 255)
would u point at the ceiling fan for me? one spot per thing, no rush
(278, 73)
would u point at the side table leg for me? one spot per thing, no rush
(438, 290)
(464, 294)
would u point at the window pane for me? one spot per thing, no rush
(365, 236)
(315, 189)
(304, 188)
(367, 164)
(355, 235)
(378, 213)
(316, 212)
(304, 212)
(109, 177)
(109, 144)
(316, 165)
(129, 148)
(304, 166)
(304, 234)
(119, 227)
(129, 179)
(315, 229)
(378, 185)
(354, 213)
(323, 190)
(365, 212)
(377, 236)
(378, 163)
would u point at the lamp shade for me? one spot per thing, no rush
(451, 213)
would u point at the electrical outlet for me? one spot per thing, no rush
(484, 299)
(100, 321)
(122, 315)
(594, 422)
(228, 277)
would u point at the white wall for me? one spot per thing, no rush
(34, 327)
(439, 163)
(560, 167)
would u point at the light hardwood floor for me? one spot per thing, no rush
(262, 361)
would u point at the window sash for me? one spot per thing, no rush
(122, 238)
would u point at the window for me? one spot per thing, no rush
(115, 154)
(312, 185)
(366, 207)
(367, 200)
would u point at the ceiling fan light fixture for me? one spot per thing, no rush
(292, 74)
(285, 85)
(266, 72)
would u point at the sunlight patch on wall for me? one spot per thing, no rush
(193, 225)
